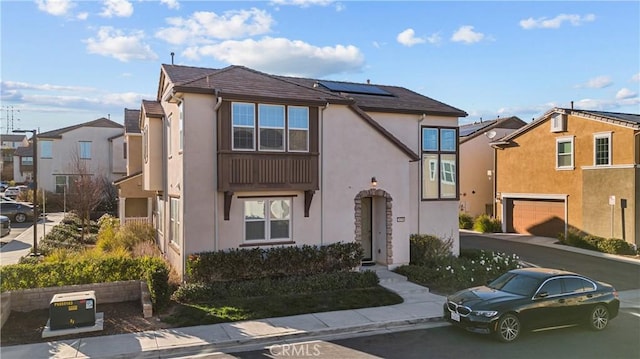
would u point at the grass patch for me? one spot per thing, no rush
(251, 308)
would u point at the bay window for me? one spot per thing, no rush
(439, 163)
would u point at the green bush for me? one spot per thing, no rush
(244, 264)
(157, 277)
(578, 239)
(486, 224)
(465, 221)
(205, 292)
(427, 250)
(616, 246)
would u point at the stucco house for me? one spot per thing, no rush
(477, 163)
(8, 145)
(97, 144)
(239, 158)
(571, 168)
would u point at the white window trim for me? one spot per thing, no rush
(46, 144)
(169, 136)
(289, 128)
(283, 128)
(174, 225)
(181, 126)
(267, 221)
(253, 127)
(81, 152)
(573, 150)
(600, 135)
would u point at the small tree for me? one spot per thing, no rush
(86, 191)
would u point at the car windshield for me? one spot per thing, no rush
(515, 283)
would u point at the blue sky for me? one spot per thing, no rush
(66, 62)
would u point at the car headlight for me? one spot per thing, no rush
(485, 313)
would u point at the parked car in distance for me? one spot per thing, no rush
(16, 211)
(6, 199)
(530, 299)
(5, 226)
(13, 192)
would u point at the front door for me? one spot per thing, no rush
(367, 232)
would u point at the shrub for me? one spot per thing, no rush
(615, 246)
(244, 264)
(428, 250)
(465, 221)
(205, 292)
(486, 224)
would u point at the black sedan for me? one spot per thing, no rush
(18, 212)
(530, 299)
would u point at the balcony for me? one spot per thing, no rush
(255, 171)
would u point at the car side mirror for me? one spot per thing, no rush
(542, 295)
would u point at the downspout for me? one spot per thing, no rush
(420, 120)
(216, 231)
(321, 150)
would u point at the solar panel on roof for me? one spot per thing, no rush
(354, 88)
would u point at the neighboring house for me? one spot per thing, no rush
(8, 145)
(95, 148)
(572, 169)
(135, 204)
(23, 164)
(477, 163)
(240, 159)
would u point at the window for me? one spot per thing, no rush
(174, 224)
(243, 118)
(84, 148)
(602, 149)
(160, 208)
(271, 127)
(64, 183)
(169, 138)
(552, 287)
(124, 150)
(26, 161)
(145, 144)
(564, 153)
(439, 163)
(45, 149)
(267, 220)
(577, 285)
(181, 125)
(298, 129)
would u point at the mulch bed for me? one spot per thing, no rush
(119, 318)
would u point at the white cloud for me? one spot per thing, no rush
(556, 22)
(625, 93)
(118, 8)
(283, 56)
(636, 77)
(408, 38)
(303, 3)
(17, 85)
(171, 4)
(114, 43)
(203, 26)
(467, 35)
(82, 16)
(55, 7)
(597, 83)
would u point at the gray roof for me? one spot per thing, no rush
(6, 137)
(469, 131)
(131, 121)
(101, 122)
(24, 151)
(242, 82)
(152, 108)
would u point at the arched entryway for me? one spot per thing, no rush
(373, 225)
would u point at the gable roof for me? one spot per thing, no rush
(6, 137)
(152, 109)
(24, 151)
(616, 118)
(473, 130)
(131, 121)
(239, 81)
(101, 122)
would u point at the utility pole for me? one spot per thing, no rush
(36, 215)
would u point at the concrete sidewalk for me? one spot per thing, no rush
(20, 246)
(420, 309)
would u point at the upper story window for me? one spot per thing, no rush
(84, 148)
(145, 145)
(439, 163)
(174, 221)
(564, 153)
(26, 161)
(181, 125)
(602, 149)
(279, 128)
(169, 136)
(271, 127)
(46, 148)
(298, 129)
(243, 118)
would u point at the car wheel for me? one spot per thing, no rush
(20, 218)
(508, 328)
(599, 317)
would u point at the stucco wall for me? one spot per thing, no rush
(134, 153)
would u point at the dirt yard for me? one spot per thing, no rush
(119, 318)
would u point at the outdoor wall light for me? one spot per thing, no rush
(374, 182)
